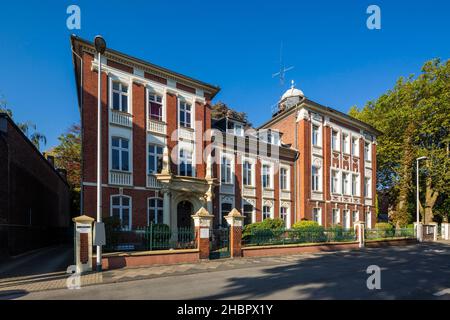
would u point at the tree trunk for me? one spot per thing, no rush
(430, 199)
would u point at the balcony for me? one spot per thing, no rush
(268, 194)
(120, 118)
(120, 178)
(156, 126)
(285, 195)
(248, 191)
(367, 202)
(186, 133)
(152, 182)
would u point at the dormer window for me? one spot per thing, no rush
(155, 106)
(238, 129)
(119, 96)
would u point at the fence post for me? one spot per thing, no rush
(445, 233)
(359, 227)
(202, 223)
(235, 219)
(419, 231)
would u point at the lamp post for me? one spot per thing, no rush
(417, 198)
(100, 47)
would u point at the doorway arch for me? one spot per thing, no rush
(184, 211)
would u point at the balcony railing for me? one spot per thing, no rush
(268, 193)
(152, 182)
(285, 194)
(120, 118)
(121, 178)
(156, 126)
(187, 134)
(248, 191)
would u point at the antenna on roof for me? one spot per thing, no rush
(281, 74)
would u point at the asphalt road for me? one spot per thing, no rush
(410, 272)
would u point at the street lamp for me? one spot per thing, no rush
(417, 198)
(100, 47)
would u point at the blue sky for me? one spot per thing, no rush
(234, 44)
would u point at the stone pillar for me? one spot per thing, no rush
(359, 228)
(235, 221)
(166, 207)
(202, 223)
(83, 243)
(419, 231)
(445, 230)
(435, 229)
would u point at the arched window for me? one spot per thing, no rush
(121, 208)
(155, 211)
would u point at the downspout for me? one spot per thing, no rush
(295, 165)
(81, 129)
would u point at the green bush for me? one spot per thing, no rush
(309, 231)
(265, 229)
(306, 224)
(384, 226)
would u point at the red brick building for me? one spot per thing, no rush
(164, 157)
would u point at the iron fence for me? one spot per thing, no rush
(293, 236)
(153, 237)
(379, 234)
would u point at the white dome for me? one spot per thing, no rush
(292, 92)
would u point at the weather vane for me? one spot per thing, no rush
(281, 74)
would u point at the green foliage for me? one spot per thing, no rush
(112, 225)
(306, 224)
(267, 226)
(384, 226)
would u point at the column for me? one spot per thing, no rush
(235, 220)
(166, 207)
(445, 230)
(202, 223)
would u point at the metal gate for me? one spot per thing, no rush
(219, 243)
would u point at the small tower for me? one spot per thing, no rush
(290, 98)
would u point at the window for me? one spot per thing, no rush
(120, 154)
(284, 215)
(334, 181)
(248, 213)
(185, 165)
(315, 178)
(367, 151)
(346, 219)
(355, 216)
(121, 208)
(284, 179)
(355, 185)
(226, 208)
(185, 114)
(247, 178)
(155, 156)
(266, 176)
(155, 106)
(155, 211)
(317, 215)
(345, 183)
(346, 143)
(225, 170)
(315, 135)
(336, 219)
(367, 187)
(334, 140)
(266, 212)
(119, 96)
(355, 149)
(238, 129)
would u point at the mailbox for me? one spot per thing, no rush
(83, 243)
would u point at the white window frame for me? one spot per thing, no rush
(319, 179)
(151, 92)
(230, 160)
(368, 220)
(346, 184)
(368, 187)
(122, 82)
(355, 151)
(252, 173)
(333, 216)
(238, 129)
(155, 209)
(287, 220)
(180, 158)
(120, 149)
(368, 155)
(346, 223)
(335, 184)
(269, 174)
(185, 102)
(270, 212)
(346, 142)
(319, 215)
(155, 155)
(357, 188)
(121, 207)
(336, 146)
(355, 212)
(319, 135)
(287, 176)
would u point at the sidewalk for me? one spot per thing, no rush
(59, 280)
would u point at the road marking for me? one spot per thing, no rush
(442, 292)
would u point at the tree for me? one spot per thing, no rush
(35, 136)
(413, 117)
(220, 110)
(68, 156)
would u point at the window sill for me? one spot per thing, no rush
(121, 112)
(119, 171)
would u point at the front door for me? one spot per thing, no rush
(184, 212)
